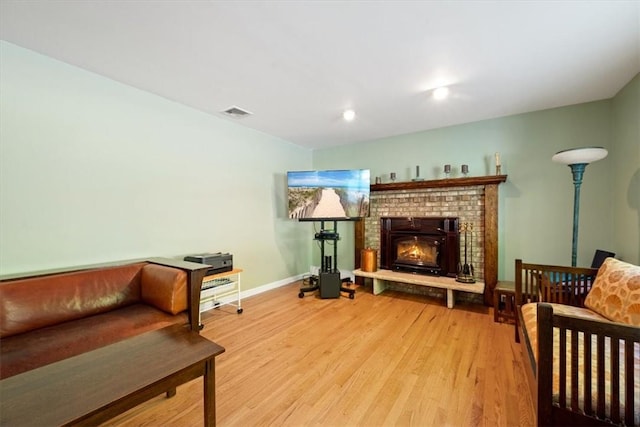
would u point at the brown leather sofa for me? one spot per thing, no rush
(48, 318)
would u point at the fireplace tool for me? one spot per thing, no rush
(465, 271)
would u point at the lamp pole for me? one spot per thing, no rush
(578, 159)
(577, 170)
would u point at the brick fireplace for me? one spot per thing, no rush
(473, 201)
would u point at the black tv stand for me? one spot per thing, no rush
(328, 278)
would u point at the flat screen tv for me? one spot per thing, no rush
(333, 195)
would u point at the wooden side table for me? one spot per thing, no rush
(504, 302)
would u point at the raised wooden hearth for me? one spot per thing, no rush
(380, 278)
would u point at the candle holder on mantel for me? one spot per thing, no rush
(417, 178)
(465, 271)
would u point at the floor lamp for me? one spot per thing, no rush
(578, 159)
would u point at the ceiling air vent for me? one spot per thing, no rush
(236, 112)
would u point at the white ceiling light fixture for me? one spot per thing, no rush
(349, 115)
(441, 93)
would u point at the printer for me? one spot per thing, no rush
(218, 261)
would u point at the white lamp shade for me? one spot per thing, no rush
(575, 156)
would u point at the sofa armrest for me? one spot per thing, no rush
(195, 273)
(164, 288)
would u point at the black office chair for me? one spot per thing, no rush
(599, 257)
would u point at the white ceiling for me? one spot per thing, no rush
(298, 64)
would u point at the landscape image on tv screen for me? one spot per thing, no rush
(330, 194)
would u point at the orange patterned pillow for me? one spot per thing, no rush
(616, 292)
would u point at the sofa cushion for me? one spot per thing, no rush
(616, 292)
(23, 352)
(35, 302)
(530, 319)
(164, 287)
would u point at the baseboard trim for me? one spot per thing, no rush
(263, 288)
(270, 286)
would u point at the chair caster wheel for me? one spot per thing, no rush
(301, 295)
(352, 296)
(240, 310)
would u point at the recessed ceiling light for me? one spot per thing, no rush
(349, 115)
(441, 93)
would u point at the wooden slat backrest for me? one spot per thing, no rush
(552, 283)
(563, 368)
(574, 371)
(586, 392)
(545, 364)
(570, 288)
(612, 337)
(600, 377)
(629, 405)
(614, 347)
(526, 283)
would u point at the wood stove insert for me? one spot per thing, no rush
(424, 245)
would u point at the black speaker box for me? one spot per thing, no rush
(330, 284)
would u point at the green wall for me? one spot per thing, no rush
(626, 171)
(536, 202)
(93, 171)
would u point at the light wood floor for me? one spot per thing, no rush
(389, 360)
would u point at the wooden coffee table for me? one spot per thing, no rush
(93, 387)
